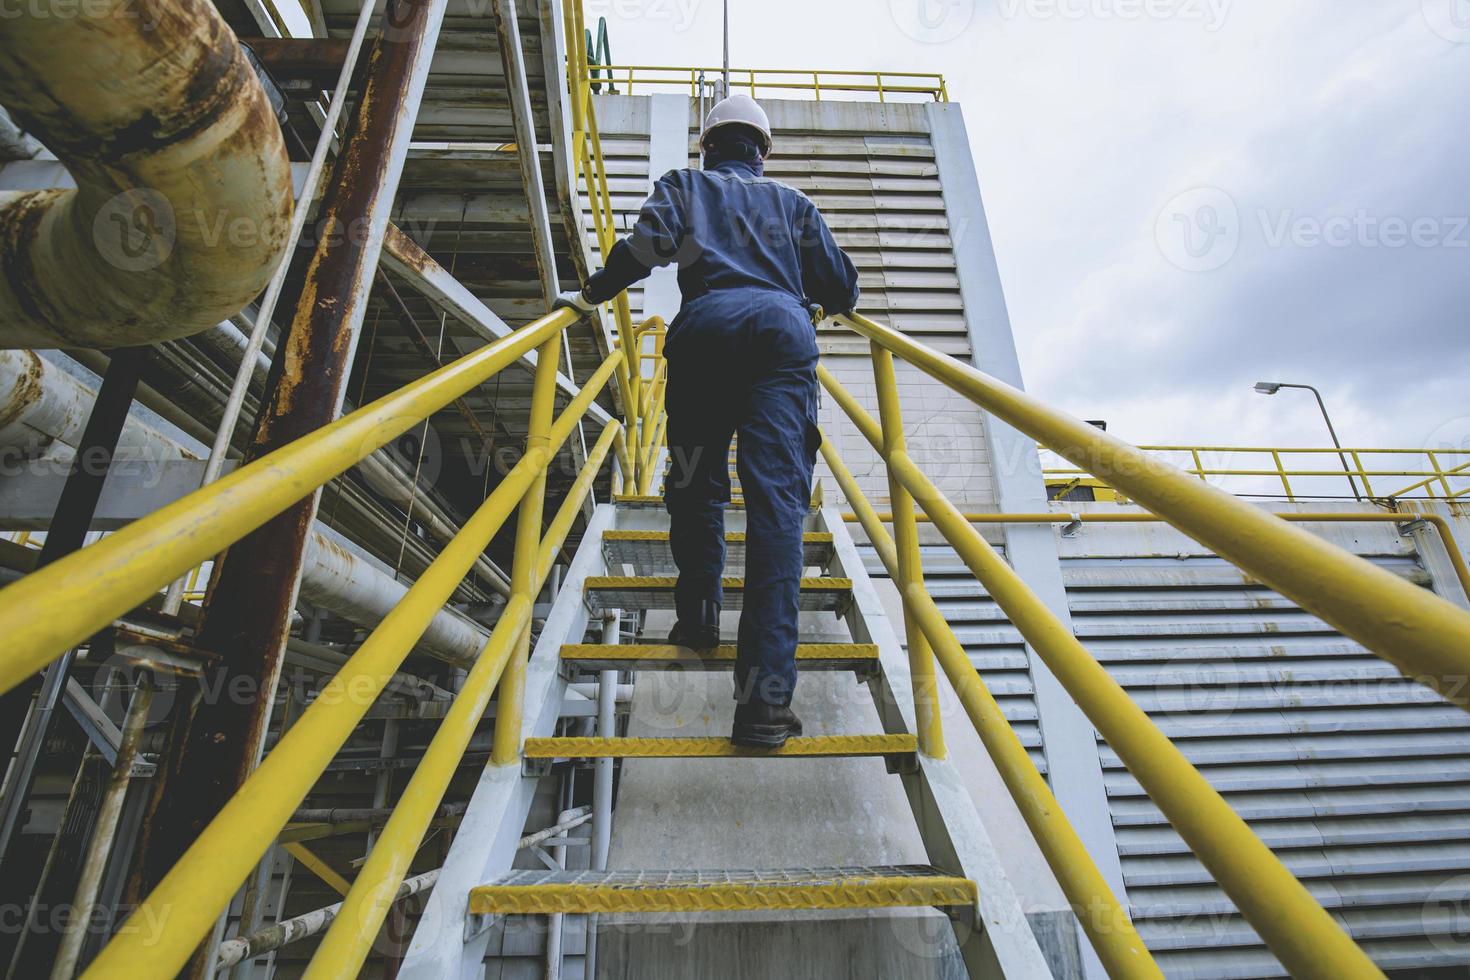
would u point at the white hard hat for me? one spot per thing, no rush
(737, 109)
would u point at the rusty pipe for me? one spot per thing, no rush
(183, 192)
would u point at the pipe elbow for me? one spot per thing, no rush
(183, 198)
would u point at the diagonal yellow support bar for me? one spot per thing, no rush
(318, 867)
(63, 604)
(1420, 633)
(816, 746)
(1301, 934)
(194, 892)
(1098, 910)
(348, 942)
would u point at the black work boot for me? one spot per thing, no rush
(765, 726)
(702, 634)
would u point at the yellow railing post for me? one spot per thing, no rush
(1098, 911)
(507, 748)
(1423, 635)
(1307, 940)
(930, 728)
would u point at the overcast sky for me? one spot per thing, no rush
(1187, 196)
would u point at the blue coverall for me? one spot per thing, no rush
(742, 354)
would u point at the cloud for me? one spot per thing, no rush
(1328, 126)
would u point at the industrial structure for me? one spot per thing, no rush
(336, 566)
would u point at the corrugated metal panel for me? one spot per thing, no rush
(993, 645)
(1356, 776)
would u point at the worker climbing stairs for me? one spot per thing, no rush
(624, 569)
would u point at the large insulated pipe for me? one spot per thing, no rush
(183, 193)
(340, 582)
(43, 411)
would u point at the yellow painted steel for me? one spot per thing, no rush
(1099, 912)
(318, 867)
(731, 537)
(1423, 635)
(63, 604)
(654, 653)
(1283, 471)
(666, 583)
(755, 895)
(194, 892)
(571, 506)
(815, 746)
(527, 545)
(1301, 934)
(814, 80)
(1441, 526)
(928, 723)
(348, 942)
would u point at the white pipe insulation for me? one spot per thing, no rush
(183, 196)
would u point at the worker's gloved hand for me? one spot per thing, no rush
(574, 300)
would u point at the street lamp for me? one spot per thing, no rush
(1272, 387)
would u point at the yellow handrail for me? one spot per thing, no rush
(1442, 526)
(50, 610)
(1301, 934)
(1423, 635)
(347, 943)
(1098, 910)
(200, 885)
(1283, 471)
(814, 80)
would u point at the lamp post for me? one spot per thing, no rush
(1272, 387)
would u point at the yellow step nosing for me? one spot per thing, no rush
(714, 747)
(725, 651)
(878, 891)
(810, 537)
(667, 582)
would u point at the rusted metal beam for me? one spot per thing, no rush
(304, 64)
(248, 611)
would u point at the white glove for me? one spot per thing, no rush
(573, 299)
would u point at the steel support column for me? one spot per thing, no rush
(248, 612)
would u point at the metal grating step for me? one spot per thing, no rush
(657, 592)
(612, 892)
(649, 552)
(809, 656)
(817, 746)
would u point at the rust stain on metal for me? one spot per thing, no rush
(248, 611)
(25, 392)
(183, 195)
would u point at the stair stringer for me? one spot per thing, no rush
(449, 942)
(997, 939)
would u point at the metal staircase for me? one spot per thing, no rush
(623, 565)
